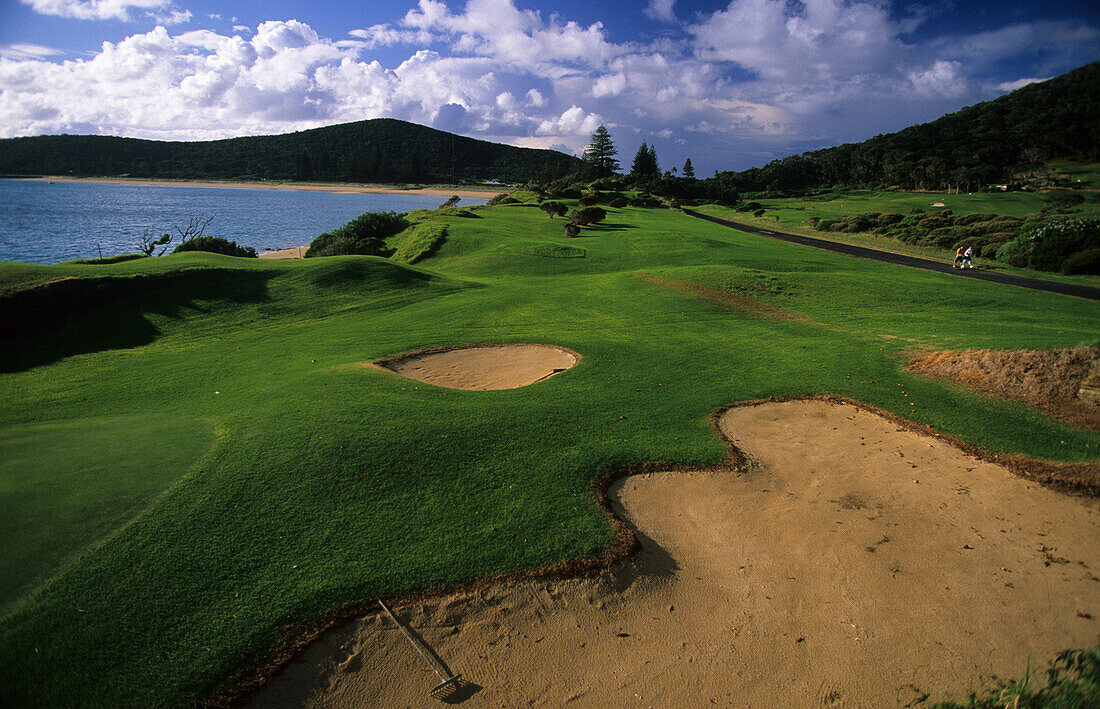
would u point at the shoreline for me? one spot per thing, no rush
(341, 188)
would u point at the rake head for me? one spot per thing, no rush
(447, 688)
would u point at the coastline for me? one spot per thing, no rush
(349, 188)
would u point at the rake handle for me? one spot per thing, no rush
(412, 640)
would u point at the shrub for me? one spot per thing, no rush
(942, 237)
(553, 209)
(888, 219)
(363, 235)
(812, 221)
(824, 224)
(1014, 252)
(587, 215)
(1052, 244)
(451, 201)
(588, 199)
(606, 183)
(968, 219)
(502, 198)
(216, 245)
(618, 202)
(571, 230)
(749, 207)
(758, 213)
(990, 249)
(645, 200)
(1086, 262)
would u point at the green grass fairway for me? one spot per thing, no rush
(329, 483)
(65, 484)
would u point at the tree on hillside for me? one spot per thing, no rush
(689, 170)
(645, 165)
(600, 154)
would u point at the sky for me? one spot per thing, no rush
(730, 85)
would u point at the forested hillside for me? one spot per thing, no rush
(985, 143)
(380, 150)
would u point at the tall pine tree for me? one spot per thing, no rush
(689, 171)
(600, 154)
(645, 165)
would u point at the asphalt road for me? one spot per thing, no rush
(1080, 291)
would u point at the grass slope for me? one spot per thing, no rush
(331, 483)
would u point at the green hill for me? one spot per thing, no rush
(981, 144)
(379, 150)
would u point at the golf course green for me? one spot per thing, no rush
(198, 467)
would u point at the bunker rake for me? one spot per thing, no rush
(448, 686)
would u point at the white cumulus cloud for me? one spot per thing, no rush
(162, 10)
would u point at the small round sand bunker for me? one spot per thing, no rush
(483, 367)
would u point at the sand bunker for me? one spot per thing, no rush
(484, 367)
(854, 564)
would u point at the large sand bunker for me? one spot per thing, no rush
(853, 564)
(484, 367)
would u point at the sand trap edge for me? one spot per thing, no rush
(381, 364)
(1069, 478)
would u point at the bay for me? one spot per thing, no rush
(50, 222)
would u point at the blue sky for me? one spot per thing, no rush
(728, 84)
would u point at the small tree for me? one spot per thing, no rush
(689, 170)
(452, 201)
(553, 209)
(587, 215)
(149, 242)
(571, 231)
(600, 154)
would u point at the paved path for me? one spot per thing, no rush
(1080, 291)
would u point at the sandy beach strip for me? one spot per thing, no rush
(349, 188)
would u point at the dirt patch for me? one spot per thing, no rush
(295, 252)
(814, 577)
(1064, 382)
(483, 367)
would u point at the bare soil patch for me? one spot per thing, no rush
(294, 252)
(852, 563)
(1063, 382)
(483, 367)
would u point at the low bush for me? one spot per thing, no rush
(365, 235)
(216, 245)
(587, 215)
(758, 213)
(571, 230)
(645, 200)
(1051, 245)
(618, 203)
(749, 207)
(1083, 262)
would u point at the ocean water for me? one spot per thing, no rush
(43, 222)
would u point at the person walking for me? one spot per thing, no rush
(967, 263)
(958, 256)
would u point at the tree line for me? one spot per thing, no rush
(990, 142)
(380, 150)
